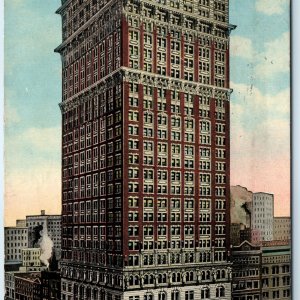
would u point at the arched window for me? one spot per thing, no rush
(175, 295)
(162, 296)
(148, 279)
(162, 278)
(148, 296)
(95, 294)
(88, 293)
(205, 293)
(220, 291)
(81, 292)
(133, 280)
(189, 276)
(207, 277)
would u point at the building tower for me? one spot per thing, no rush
(263, 215)
(145, 149)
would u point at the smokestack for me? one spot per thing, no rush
(46, 246)
(43, 212)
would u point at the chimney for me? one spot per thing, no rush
(42, 212)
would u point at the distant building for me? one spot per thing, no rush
(28, 286)
(239, 233)
(31, 260)
(276, 273)
(52, 223)
(50, 285)
(21, 223)
(282, 228)
(240, 205)
(245, 235)
(9, 286)
(246, 270)
(235, 234)
(263, 214)
(15, 239)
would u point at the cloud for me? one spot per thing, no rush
(272, 60)
(271, 7)
(241, 46)
(250, 100)
(275, 58)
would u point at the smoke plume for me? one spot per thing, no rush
(46, 246)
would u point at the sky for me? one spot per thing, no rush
(260, 148)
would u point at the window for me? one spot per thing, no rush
(175, 295)
(189, 295)
(205, 293)
(162, 295)
(220, 291)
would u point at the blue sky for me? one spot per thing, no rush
(259, 110)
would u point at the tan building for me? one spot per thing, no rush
(49, 223)
(276, 282)
(282, 228)
(31, 260)
(15, 239)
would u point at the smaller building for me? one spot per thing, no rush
(235, 229)
(31, 260)
(28, 286)
(276, 274)
(15, 239)
(21, 223)
(9, 286)
(263, 215)
(51, 285)
(246, 269)
(43, 222)
(282, 228)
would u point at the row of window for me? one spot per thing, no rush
(148, 203)
(92, 66)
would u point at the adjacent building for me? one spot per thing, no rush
(50, 224)
(15, 239)
(276, 270)
(246, 269)
(31, 261)
(28, 286)
(51, 286)
(263, 215)
(9, 286)
(282, 228)
(145, 149)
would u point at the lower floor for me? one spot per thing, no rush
(76, 290)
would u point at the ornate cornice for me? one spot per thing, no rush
(137, 76)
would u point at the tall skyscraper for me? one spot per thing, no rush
(145, 149)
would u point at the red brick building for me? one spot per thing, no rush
(28, 286)
(145, 142)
